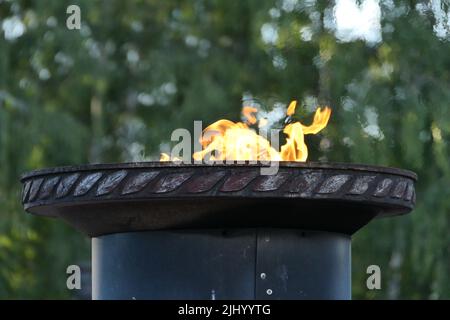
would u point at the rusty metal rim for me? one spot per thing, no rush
(185, 198)
(361, 191)
(282, 164)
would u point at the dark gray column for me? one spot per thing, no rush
(221, 264)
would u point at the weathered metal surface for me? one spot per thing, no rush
(101, 199)
(65, 185)
(171, 182)
(222, 264)
(272, 182)
(297, 264)
(333, 184)
(87, 183)
(111, 182)
(238, 181)
(205, 182)
(139, 182)
(35, 185)
(361, 185)
(191, 264)
(48, 186)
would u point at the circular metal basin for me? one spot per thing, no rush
(110, 198)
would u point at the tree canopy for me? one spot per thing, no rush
(138, 69)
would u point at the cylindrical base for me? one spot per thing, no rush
(222, 264)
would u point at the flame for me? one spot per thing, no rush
(227, 140)
(291, 109)
(165, 157)
(247, 112)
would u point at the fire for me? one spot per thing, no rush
(228, 140)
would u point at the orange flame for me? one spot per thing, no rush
(227, 140)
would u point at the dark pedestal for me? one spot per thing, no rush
(222, 264)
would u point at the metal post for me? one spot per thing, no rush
(222, 264)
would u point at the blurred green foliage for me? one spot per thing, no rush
(114, 90)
